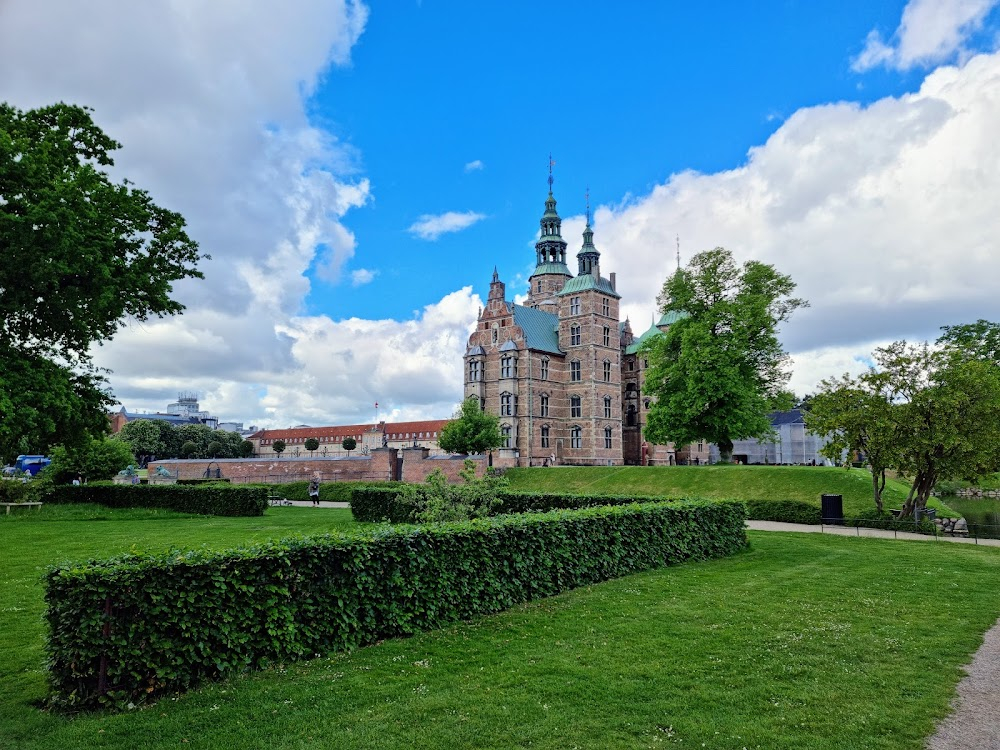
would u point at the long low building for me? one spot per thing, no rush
(368, 437)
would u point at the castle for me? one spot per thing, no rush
(562, 371)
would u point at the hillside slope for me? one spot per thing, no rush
(805, 483)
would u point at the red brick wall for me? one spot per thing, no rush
(378, 466)
(417, 468)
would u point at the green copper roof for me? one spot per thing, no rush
(540, 329)
(587, 281)
(633, 348)
(670, 317)
(560, 268)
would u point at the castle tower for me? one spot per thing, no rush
(551, 272)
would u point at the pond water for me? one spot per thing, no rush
(983, 514)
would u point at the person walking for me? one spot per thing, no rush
(314, 491)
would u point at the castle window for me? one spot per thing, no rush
(475, 371)
(575, 410)
(630, 415)
(607, 407)
(545, 405)
(645, 404)
(508, 405)
(606, 307)
(607, 437)
(607, 336)
(545, 436)
(545, 369)
(505, 434)
(576, 438)
(482, 404)
(496, 333)
(607, 371)
(508, 367)
(574, 305)
(574, 371)
(539, 285)
(574, 335)
(631, 365)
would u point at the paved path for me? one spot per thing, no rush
(873, 533)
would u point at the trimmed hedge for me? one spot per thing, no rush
(209, 500)
(375, 504)
(163, 623)
(16, 491)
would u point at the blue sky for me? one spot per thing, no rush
(357, 169)
(622, 100)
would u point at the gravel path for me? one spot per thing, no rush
(975, 724)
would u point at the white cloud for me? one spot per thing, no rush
(474, 166)
(430, 227)
(362, 276)
(930, 32)
(884, 215)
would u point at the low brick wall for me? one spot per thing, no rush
(416, 467)
(379, 465)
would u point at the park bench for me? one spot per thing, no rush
(21, 505)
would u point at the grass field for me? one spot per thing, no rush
(805, 483)
(806, 641)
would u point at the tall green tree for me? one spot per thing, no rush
(932, 413)
(471, 430)
(82, 254)
(90, 458)
(719, 369)
(143, 437)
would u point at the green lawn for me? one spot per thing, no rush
(806, 483)
(806, 641)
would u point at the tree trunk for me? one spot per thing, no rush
(725, 451)
(878, 486)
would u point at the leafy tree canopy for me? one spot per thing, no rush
(92, 459)
(82, 254)
(472, 430)
(349, 444)
(719, 369)
(278, 446)
(930, 413)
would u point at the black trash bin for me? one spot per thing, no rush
(832, 509)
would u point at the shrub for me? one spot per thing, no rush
(16, 491)
(212, 499)
(786, 511)
(161, 623)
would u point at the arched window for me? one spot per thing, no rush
(576, 437)
(574, 335)
(607, 437)
(575, 409)
(496, 333)
(607, 407)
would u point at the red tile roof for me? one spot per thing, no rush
(354, 430)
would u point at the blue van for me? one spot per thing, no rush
(31, 464)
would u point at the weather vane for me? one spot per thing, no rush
(678, 252)
(588, 205)
(551, 163)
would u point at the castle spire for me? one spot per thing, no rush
(588, 257)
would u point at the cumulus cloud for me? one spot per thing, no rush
(884, 215)
(362, 276)
(474, 166)
(930, 32)
(430, 226)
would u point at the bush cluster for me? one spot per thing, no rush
(16, 491)
(163, 622)
(209, 500)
